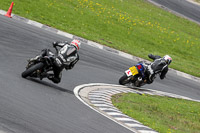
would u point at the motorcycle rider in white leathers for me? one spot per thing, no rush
(67, 57)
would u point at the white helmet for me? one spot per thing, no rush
(168, 59)
(76, 43)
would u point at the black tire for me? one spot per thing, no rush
(32, 69)
(124, 80)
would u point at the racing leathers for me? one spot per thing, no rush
(66, 58)
(158, 66)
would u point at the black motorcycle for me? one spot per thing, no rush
(40, 67)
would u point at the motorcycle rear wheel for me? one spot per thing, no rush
(124, 80)
(32, 69)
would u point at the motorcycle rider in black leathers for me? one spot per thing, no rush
(158, 66)
(67, 57)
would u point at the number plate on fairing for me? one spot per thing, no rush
(131, 71)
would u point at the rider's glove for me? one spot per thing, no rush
(69, 67)
(150, 55)
(55, 44)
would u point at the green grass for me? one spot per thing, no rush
(132, 26)
(163, 114)
(197, 1)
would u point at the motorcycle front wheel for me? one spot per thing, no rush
(124, 80)
(32, 69)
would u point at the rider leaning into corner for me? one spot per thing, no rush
(158, 66)
(66, 58)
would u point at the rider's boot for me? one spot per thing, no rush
(53, 78)
(44, 75)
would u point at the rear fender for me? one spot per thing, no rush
(128, 73)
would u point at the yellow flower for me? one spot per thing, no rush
(98, 4)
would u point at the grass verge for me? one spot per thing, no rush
(197, 1)
(163, 114)
(132, 26)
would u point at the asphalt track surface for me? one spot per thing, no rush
(183, 7)
(34, 106)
